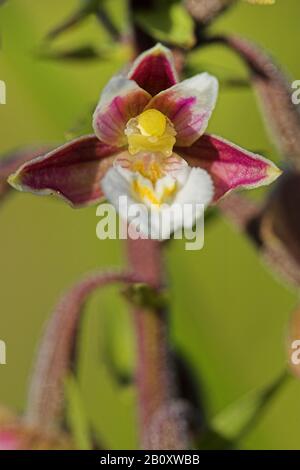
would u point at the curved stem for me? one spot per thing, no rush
(273, 88)
(56, 352)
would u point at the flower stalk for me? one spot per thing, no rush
(162, 418)
(274, 91)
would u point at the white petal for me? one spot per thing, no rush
(191, 200)
(116, 186)
(197, 191)
(116, 183)
(188, 105)
(198, 188)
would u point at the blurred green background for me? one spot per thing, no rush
(229, 314)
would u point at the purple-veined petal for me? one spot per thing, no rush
(154, 70)
(72, 171)
(230, 166)
(11, 161)
(188, 105)
(121, 100)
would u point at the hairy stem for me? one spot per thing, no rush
(162, 417)
(56, 352)
(274, 91)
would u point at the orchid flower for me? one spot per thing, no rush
(149, 145)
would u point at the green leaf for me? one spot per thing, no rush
(211, 440)
(231, 421)
(174, 26)
(240, 416)
(76, 416)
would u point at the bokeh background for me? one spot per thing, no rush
(230, 314)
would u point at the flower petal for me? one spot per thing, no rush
(154, 70)
(198, 188)
(73, 171)
(188, 205)
(159, 222)
(188, 105)
(120, 100)
(230, 166)
(11, 161)
(117, 188)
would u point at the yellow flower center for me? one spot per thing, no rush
(152, 171)
(152, 123)
(150, 194)
(151, 131)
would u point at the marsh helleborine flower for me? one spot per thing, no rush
(149, 145)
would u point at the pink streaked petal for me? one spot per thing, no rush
(188, 105)
(230, 166)
(154, 70)
(120, 100)
(171, 165)
(73, 171)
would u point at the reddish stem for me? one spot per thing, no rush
(162, 423)
(56, 352)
